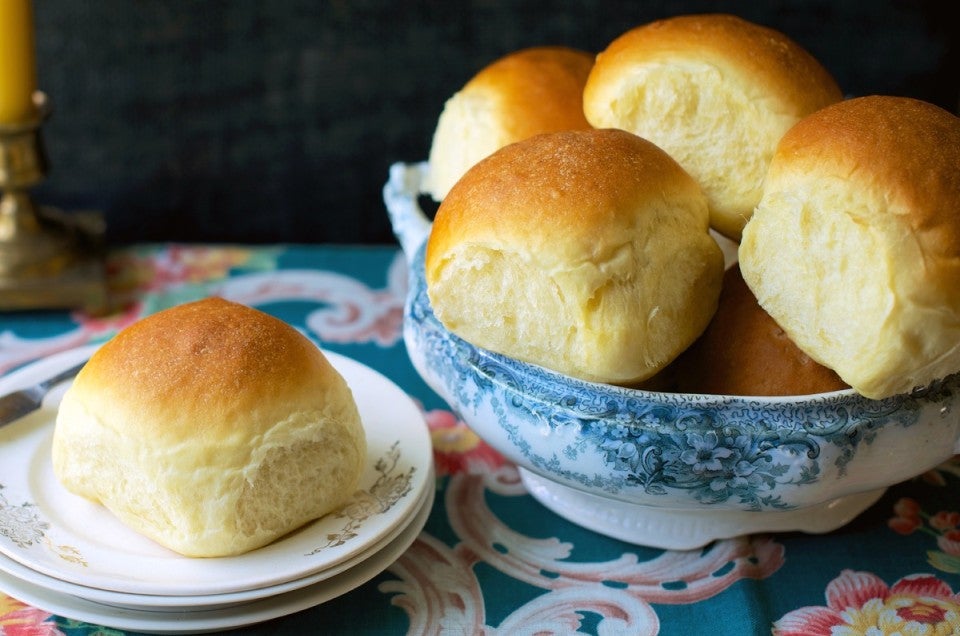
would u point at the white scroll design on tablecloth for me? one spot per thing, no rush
(351, 311)
(438, 590)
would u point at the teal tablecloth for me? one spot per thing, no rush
(893, 570)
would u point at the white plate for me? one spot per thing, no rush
(156, 603)
(185, 622)
(47, 529)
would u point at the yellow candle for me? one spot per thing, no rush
(18, 70)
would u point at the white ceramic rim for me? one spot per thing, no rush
(234, 616)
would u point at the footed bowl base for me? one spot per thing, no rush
(687, 529)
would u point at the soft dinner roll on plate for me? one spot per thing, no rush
(745, 352)
(716, 92)
(532, 91)
(586, 252)
(855, 247)
(211, 428)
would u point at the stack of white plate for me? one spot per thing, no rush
(65, 555)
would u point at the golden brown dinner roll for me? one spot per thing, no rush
(586, 252)
(716, 92)
(532, 91)
(745, 352)
(211, 428)
(855, 246)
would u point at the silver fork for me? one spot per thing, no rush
(17, 404)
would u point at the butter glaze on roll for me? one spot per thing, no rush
(855, 246)
(716, 92)
(211, 428)
(585, 252)
(532, 91)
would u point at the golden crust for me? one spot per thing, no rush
(528, 92)
(211, 428)
(536, 90)
(585, 187)
(586, 252)
(717, 93)
(855, 246)
(775, 66)
(195, 370)
(907, 148)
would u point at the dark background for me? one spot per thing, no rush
(258, 121)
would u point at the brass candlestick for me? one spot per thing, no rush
(48, 259)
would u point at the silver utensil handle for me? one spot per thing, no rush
(66, 374)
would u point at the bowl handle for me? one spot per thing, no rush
(410, 225)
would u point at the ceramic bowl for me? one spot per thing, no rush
(670, 470)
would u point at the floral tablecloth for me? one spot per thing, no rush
(491, 560)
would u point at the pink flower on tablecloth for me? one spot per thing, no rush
(176, 265)
(907, 507)
(907, 517)
(904, 525)
(949, 542)
(177, 273)
(944, 526)
(18, 619)
(456, 448)
(945, 520)
(861, 604)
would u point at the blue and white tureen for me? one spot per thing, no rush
(670, 470)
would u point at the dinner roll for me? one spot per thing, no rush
(855, 246)
(211, 428)
(716, 92)
(586, 252)
(745, 352)
(532, 91)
